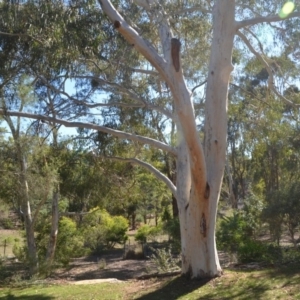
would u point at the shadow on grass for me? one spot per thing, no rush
(175, 288)
(214, 289)
(26, 297)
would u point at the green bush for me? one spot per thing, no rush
(172, 228)
(255, 251)
(164, 260)
(20, 252)
(70, 243)
(233, 233)
(116, 232)
(147, 232)
(252, 251)
(253, 206)
(291, 255)
(6, 223)
(101, 230)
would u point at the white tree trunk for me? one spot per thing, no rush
(26, 210)
(54, 228)
(199, 253)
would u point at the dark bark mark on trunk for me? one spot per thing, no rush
(175, 53)
(203, 225)
(117, 24)
(207, 191)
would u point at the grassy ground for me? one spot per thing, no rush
(283, 283)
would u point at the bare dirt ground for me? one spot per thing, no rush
(110, 266)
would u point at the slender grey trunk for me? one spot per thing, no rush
(54, 228)
(26, 210)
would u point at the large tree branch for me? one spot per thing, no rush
(114, 132)
(141, 45)
(268, 68)
(159, 175)
(266, 19)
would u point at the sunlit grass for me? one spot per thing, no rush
(265, 284)
(101, 291)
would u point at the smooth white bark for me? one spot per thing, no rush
(159, 175)
(23, 194)
(54, 229)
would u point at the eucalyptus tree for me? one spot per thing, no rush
(36, 39)
(151, 30)
(199, 169)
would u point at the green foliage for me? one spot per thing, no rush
(101, 230)
(252, 251)
(70, 243)
(172, 228)
(147, 232)
(283, 208)
(164, 260)
(233, 232)
(253, 206)
(142, 234)
(6, 223)
(20, 252)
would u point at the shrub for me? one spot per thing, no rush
(172, 228)
(147, 232)
(252, 251)
(70, 242)
(233, 232)
(252, 209)
(101, 230)
(116, 232)
(6, 223)
(20, 252)
(164, 260)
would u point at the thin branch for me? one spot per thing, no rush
(20, 35)
(117, 133)
(251, 94)
(266, 19)
(141, 103)
(268, 68)
(159, 175)
(195, 87)
(257, 39)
